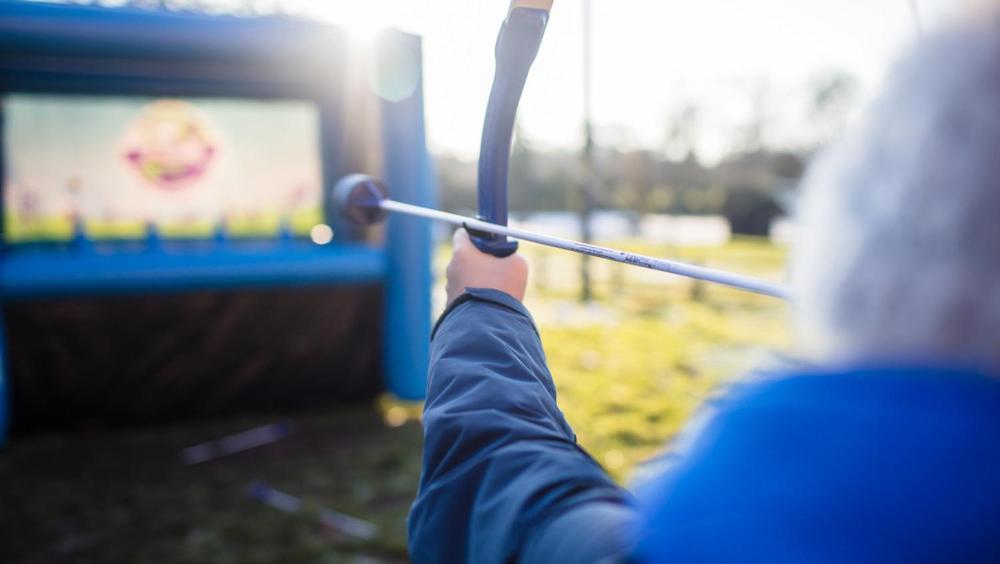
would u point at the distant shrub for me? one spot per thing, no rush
(750, 212)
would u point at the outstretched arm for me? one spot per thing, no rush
(503, 478)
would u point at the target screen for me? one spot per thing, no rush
(118, 166)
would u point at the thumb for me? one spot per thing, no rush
(460, 240)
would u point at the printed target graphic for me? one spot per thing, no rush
(170, 144)
(119, 166)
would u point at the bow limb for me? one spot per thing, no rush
(545, 5)
(517, 45)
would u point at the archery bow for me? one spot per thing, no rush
(517, 45)
(362, 198)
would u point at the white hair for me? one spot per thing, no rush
(899, 252)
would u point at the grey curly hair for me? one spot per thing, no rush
(899, 252)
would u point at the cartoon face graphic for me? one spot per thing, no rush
(169, 144)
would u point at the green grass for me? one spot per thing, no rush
(123, 496)
(630, 368)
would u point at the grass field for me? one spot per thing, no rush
(630, 367)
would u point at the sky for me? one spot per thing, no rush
(651, 57)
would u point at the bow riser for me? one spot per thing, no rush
(517, 45)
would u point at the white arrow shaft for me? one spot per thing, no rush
(739, 281)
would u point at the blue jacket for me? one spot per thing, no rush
(863, 465)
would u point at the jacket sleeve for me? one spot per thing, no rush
(503, 478)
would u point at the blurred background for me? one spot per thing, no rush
(675, 129)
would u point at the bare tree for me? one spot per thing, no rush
(834, 94)
(682, 132)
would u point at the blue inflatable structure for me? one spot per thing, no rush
(50, 51)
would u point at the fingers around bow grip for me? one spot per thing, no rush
(489, 243)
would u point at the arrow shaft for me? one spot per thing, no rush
(738, 281)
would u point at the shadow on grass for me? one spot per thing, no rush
(123, 495)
